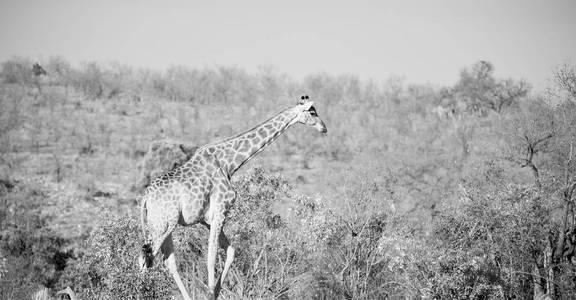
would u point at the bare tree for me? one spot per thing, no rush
(565, 78)
(480, 91)
(529, 134)
(543, 139)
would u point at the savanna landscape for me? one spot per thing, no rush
(416, 192)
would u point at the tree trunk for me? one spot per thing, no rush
(537, 279)
(535, 174)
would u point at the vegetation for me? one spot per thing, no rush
(459, 192)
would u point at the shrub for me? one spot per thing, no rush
(162, 156)
(97, 81)
(60, 70)
(492, 243)
(32, 254)
(108, 269)
(343, 236)
(90, 80)
(269, 256)
(17, 70)
(269, 253)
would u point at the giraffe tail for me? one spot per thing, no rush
(146, 257)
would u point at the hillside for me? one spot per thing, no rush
(416, 191)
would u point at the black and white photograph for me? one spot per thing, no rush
(186, 149)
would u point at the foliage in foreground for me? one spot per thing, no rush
(354, 247)
(108, 268)
(31, 254)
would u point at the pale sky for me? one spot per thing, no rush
(425, 41)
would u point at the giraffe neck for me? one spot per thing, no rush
(234, 152)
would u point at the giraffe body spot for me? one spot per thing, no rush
(245, 146)
(237, 145)
(262, 133)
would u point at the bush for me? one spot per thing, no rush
(269, 253)
(108, 268)
(493, 241)
(17, 70)
(344, 239)
(90, 80)
(60, 70)
(162, 157)
(32, 255)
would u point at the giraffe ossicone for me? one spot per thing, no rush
(199, 191)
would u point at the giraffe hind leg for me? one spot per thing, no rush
(163, 237)
(170, 262)
(225, 244)
(150, 251)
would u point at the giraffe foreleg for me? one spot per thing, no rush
(225, 244)
(222, 198)
(215, 230)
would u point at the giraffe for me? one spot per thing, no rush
(199, 192)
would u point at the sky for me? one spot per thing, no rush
(427, 41)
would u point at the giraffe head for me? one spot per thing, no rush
(307, 114)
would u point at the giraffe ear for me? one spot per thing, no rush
(307, 105)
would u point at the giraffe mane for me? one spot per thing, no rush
(245, 131)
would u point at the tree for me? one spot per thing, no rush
(544, 141)
(17, 70)
(529, 133)
(565, 79)
(481, 91)
(61, 69)
(492, 241)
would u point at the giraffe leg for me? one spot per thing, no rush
(213, 239)
(170, 262)
(158, 243)
(149, 252)
(225, 244)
